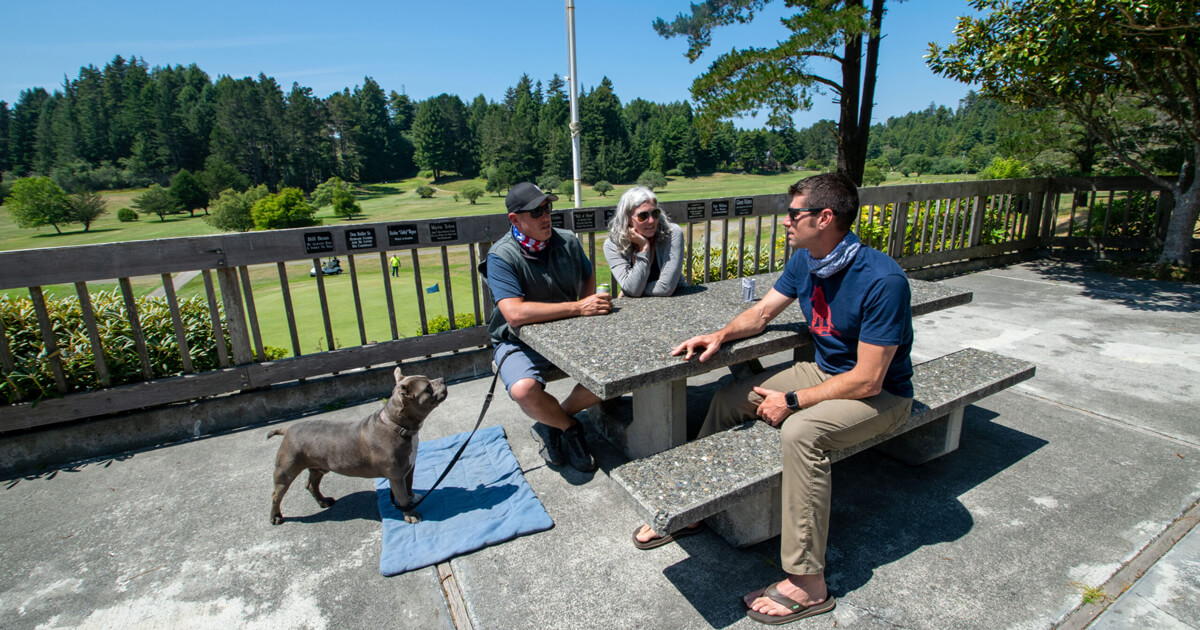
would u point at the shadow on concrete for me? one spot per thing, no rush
(446, 502)
(882, 511)
(691, 288)
(49, 474)
(360, 505)
(1134, 293)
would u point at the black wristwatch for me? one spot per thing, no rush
(792, 403)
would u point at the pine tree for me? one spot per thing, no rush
(430, 138)
(22, 129)
(188, 192)
(401, 108)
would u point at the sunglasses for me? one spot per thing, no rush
(794, 213)
(537, 212)
(645, 215)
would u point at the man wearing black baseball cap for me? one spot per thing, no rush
(538, 274)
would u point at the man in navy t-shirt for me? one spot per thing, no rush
(856, 300)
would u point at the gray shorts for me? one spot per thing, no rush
(523, 362)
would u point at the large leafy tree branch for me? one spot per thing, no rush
(1127, 70)
(780, 79)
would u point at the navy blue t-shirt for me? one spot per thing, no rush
(868, 301)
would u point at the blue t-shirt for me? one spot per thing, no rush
(868, 301)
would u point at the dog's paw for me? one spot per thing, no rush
(326, 501)
(276, 519)
(412, 517)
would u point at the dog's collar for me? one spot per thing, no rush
(404, 432)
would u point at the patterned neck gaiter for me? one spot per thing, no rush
(529, 244)
(837, 260)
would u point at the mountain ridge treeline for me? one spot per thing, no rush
(128, 124)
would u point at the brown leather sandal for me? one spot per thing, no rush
(799, 611)
(669, 538)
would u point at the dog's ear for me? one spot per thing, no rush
(412, 386)
(397, 374)
(404, 392)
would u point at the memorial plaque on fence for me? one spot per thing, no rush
(443, 231)
(695, 211)
(608, 215)
(361, 238)
(743, 207)
(720, 209)
(318, 242)
(558, 220)
(585, 220)
(402, 234)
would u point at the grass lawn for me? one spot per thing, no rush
(396, 201)
(391, 201)
(306, 301)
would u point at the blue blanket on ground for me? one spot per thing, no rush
(483, 501)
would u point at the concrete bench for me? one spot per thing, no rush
(732, 478)
(629, 352)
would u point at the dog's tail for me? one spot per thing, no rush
(275, 432)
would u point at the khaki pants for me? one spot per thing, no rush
(806, 437)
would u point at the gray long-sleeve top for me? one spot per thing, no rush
(668, 257)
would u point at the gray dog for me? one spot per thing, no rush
(384, 444)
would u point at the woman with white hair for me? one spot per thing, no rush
(644, 249)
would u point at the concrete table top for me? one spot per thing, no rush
(630, 348)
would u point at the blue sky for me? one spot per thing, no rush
(468, 47)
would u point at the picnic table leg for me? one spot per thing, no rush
(927, 441)
(659, 419)
(751, 520)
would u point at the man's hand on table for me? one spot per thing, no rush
(595, 304)
(773, 409)
(709, 343)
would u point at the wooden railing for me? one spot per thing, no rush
(262, 277)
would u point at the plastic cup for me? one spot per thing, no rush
(747, 289)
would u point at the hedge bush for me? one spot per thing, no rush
(1142, 221)
(731, 263)
(441, 323)
(33, 377)
(938, 226)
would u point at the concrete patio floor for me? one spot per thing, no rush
(1083, 477)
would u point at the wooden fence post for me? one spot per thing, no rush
(1034, 220)
(235, 315)
(896, 230)
(1049, 216)
(485, 292)
(135, 326)
(51, 343)
(978, 208)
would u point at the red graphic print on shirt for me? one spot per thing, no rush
(822, 320)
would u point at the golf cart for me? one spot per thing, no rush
(331, 268)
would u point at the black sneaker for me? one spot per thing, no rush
(576, 449)
(550, 440)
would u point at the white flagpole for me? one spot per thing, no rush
(573, 83)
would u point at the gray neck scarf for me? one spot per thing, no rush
(837, 260)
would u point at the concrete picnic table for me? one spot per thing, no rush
(629, 350)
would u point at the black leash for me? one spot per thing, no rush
(486, 403)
